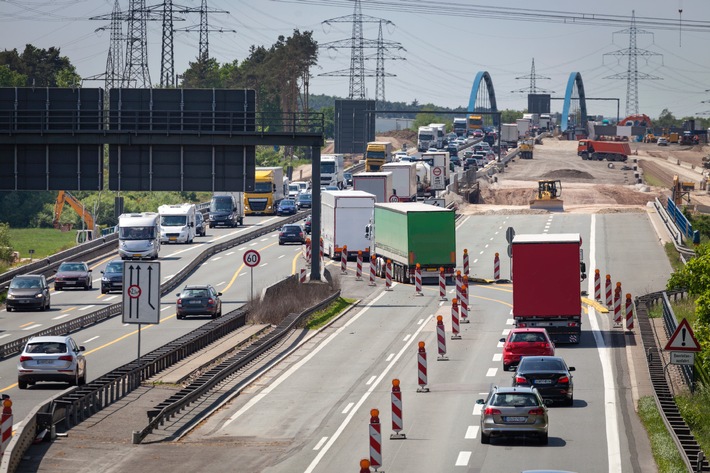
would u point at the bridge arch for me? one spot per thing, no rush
(483, 97)
(574, 109)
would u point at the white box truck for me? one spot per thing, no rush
(331, 170)
(344, 217)
(177, 223)
(377, 183)
(524, 126)
(404, 181)
(509, 133)
(440, 169)
(139, 235)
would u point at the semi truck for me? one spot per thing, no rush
(268, 191)
(377, 183)
(546, 122)
(439, 133)
(509, 133)
(426, 138)
(414, 233)
(139, 235)
(600, 150)
(439, 162)
(547, 270)
(460, 126)
(404, 181)
(344, 215)
(177, 223)
(474, 122)
(377, 154)
(331, 170)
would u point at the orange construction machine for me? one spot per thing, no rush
(600, 150)
(85, 234)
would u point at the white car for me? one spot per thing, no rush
(57, 359)
(662, 142)
(302, 186)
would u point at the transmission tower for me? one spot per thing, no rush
(203, 28)
(382, 54)
(533, 84)
(632, 74)
(136, 70)
(167, 59)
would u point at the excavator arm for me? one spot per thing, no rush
(65, 197)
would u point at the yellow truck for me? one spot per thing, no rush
(377, 154)
(526, 148)
(268, 192)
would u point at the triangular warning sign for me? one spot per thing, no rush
(683, 339)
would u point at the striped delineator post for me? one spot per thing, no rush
(459, 281)
(607, 290)
(308, 252)
(629, 313)
(5, 423)
(464, 303)
(597, 286)
(375, 439)
(617, 306)
(321, 252)
(397, 423)
(302, 278)
(344, 260)
(455, 320)
(421, 369)
(442, 285)
(373, 264)
(418, 280)
(388, 275)
(358, 270)
(465, 262)
(441, 338)
(496, 267)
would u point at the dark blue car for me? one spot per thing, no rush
(286, 207)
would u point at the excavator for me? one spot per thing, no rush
(64, 197)
(548, 196)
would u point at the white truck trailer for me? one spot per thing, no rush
(377, 183)
(404, 181)
(344, 216)
(177, 223)
(509, 134)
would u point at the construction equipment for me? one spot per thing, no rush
(650, 138)
(84, 234)
(526, 148)
(681, 190)
(548, 196)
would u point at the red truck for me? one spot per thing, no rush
(600, 150)
(547, 272)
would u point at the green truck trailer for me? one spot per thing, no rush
(413, 233)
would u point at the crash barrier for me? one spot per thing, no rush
(682, 223)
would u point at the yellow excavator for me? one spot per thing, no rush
(85, 234)
(548, 196)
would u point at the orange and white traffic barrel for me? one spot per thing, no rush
(459, 281)
(5, 423)
(358, 268)
(344, 260)
(418, 280)
(397, 423)
(321, 250)
(607, 290)
(597, 286)
(465, 262)
(629, 313)
(464, 303)
(388, 275)
(441, 338)
(375, 439)
(421, 369)
(455, 320)
(308, 251)
(617, 305)
(496, 267)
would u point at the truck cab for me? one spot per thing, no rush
(268, 191)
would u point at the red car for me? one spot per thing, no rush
(525, 342)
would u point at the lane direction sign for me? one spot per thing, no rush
(141, 296)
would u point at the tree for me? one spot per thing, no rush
(5, 248)
(203, 74)
(666, 119)
(10, 78)
(40, 66)
(509, 116)
(695, 277)
(68, 77)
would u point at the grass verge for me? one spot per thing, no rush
(695, 409)
(652, 180)
(664, 450)
(320, 318)
(673, 256)
(44, 241)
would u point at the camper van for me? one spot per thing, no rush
(139, 235)
(177, 223)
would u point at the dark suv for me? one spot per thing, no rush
(225, 210)
(112, 277)
(292, 233)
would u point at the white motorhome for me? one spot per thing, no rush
(331, 170)
(177, 223)
(139, 235)
(344, 215)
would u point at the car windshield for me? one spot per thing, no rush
(291, 229)
(221, 204)
(114, 268)
(25, 283)
(71, 267)
(514, 400)
(46, 347)
(136, 233)
(528, 337)
(304, 197)
(293, 187)
(173, 220)
(538, 365)
(194, 293)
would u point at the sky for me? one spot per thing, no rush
(446, 44)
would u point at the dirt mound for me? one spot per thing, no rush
(567, 174)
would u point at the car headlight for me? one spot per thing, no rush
(105, 279)
(39, 296)
(11, 296)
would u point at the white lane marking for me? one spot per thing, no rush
(281, 256)
(4, 335)
(166, 308)
(263, 264)
(230, 253)
(462, 222)
(320, 443)
(496, 233)
(481, 252)
(87, 307)
(418, 323)
(491, 372)
(243, 274)
(32, 327)
(263, 239)
(491, 238)
(613, 444)
(485, 247)
(221, 283)
(471, 432)
(499, 345)
(242, 248)
(110, 298)
(91, 339)
(254, 244)
(475, 261)
(406, 338)
(371, 380)
(60, 316)
(510, 322)
(348, 407)
(500, 228)
(389, 358)
(463, 458)
(497, 357)
(505, 332)
(216, 258)
(478, 408)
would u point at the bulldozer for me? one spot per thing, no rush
(548, 196)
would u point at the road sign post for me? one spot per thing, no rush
(252, 258)
(509, 235)
(141, 297)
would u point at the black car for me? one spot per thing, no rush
(112, 277)
(200, 226)
(198, 300)
(307, 225)
(455, 160)
(29, 291)
(286, 207)
(73, 274)
(549, 374)
(304, 200)
(292, 233)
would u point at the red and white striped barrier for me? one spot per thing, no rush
(597, 286)
(459, 281)
(421, 369)
(607, 290)
(375, 439)
(617, 307)
(5, 423)
(344, 260)
(302, 278)
(397, 423)
(388, 275)
(373, 265)
(308, 251)
(496, 267)
(629, 313)
(364, 465)
(455, 320)
(418, 280)
(358, 268)
(464, 303)
(442, 285)
(465, 262)
(441, 338)
(321, 252)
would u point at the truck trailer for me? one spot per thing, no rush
(377, 183)
(426, 138)
(344, 215)
(547, 271)
(413, 233)
(404, 181)
(509, 134)
(600, 150)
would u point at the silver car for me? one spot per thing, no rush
(57, 359)
(513, 411)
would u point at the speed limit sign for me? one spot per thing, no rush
(252, 258)
(394, 198)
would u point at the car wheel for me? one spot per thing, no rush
(281, 243)
(57, 287)
(543, 439)
(21, 384)
(103, 291)
(569, 402)
(506, 367)
(180, 317)
(9, 309)
(82, 378)
(485, 438)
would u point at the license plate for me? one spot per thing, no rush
(173, 238)
(136, 256)
(44, 362)
(543, 381)
(69, 282)
(515, 419)
(195, 302)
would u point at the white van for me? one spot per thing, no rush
(139, 235)
(177, 223)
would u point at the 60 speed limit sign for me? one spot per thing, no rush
(252, 258)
